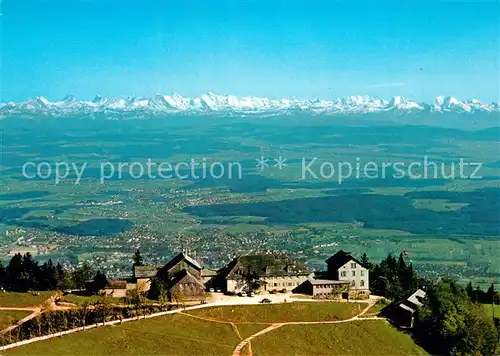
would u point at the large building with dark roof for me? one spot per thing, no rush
(266, 272)
(181, 278)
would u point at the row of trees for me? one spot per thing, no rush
(480, 296)
(393, 278)
(51, 322)
(23, 273)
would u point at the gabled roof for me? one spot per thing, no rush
(145, 271)
(183, 276)
(341, 258)
(265, 265)
(414, 298)
(410, 303)
(116, 284)
(178, 258)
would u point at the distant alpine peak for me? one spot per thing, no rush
(214, 103)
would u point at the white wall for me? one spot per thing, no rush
(360, 277)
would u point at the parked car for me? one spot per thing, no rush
(251, 294)
(218, 290)
(211, 290)
(242, 294)
(265, 301)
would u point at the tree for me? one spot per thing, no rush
(31, 271)
(138, 261)
(470, 291)
(82, 275)
(450, 323)
(365, 261)
(83, 312)
(490, 294)
(393, 278)
(14, 270)
(3, 276)
(99, 282)
(48, 276)
(251, 280)
(103, 307)
(64, 281)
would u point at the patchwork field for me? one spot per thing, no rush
(448, 226)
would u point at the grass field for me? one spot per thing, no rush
(370, 337)
(272, 313)
(9, 317)
(247, 330)
(13, 299)
(489, 310)
(169, 335)
(80, 299)
(179, 334)
(377, 307)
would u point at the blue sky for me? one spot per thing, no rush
(303, 49)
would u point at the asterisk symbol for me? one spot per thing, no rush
(280, 162)
(262, 163)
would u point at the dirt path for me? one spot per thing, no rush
(20, 308)
(35, 312)
(241, 345)
(237, 351)
(233, 325)
(23, 320)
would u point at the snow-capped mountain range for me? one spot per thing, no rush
(227, 104)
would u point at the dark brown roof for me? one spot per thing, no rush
(182, 276)
(145, 271)
(178, 258)
(265, 265)
(116, 284)
(340, 258)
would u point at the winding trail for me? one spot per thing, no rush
(237, 350)
(274, 326)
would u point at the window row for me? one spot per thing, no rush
(353, 273)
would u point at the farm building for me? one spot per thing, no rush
(402, 312)
(181, 279)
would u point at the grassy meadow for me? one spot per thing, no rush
(9, 317)
(274, 313)
(13, 299)
(179, 334)
(369, 337)
(488, 308)
(168, 335)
